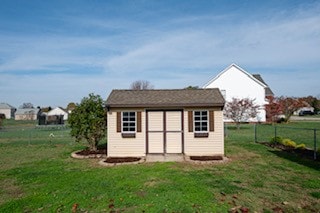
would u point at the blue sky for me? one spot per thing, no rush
(56, 52)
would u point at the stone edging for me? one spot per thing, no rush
(75, 155)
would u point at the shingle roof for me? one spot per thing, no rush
(166, 98)
(27, 111)
(267, 89)
(6, 106)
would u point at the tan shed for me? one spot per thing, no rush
(146, 122)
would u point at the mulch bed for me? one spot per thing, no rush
(86, 152)
(121, 159)
(206, 158)
(305, 153)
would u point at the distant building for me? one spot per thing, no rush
(7, 110)
(27, 114)
(59, 111)
(235, 82)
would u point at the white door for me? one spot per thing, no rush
(173, 132)
(155, 132)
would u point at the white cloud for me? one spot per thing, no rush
(182, 51)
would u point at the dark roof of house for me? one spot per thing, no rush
(166, 98)
(267, 89)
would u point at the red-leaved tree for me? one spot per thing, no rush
(240, 110)
(283, 106)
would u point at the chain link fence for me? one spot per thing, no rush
(32, 135)
(307, 136)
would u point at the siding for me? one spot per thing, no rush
(211, 145)
(239, 85)
(121, 147)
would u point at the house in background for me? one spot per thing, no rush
(7, 110)
(60, 112)
(149, 122)
(27, 114)
(235, 82)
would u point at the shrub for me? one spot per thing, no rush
(301, 146)
(289, 143)
(276, 140)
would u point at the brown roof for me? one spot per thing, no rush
(166, 98)
(268, 91)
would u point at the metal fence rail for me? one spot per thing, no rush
(307, 136)
(35, 134)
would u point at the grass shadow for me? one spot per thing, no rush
(297, 159)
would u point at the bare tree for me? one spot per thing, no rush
(192, 87)
(141, 85)
(26, 106)
(240, 110)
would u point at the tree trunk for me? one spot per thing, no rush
(93, 145)
(238, 125)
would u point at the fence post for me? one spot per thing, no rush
(255, 133)
(275, 131)
(315, 144)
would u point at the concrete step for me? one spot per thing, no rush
(164, 158)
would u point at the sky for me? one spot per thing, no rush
(56, 52)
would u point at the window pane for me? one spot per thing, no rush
(132, 118)
(125, 114)
(196, 113)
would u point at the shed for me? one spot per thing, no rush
(146, 122)
(59, 111)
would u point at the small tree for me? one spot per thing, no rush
(285, 106)
(141, 85)
(71, 106)
(240, 110)
(273, 109)
(87, 121)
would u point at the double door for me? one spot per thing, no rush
(164, 132)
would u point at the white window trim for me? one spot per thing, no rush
(135, 122)
(194, 121)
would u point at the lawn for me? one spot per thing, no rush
(37, 174)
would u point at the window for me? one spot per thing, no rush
(128, 122)
(200, 121)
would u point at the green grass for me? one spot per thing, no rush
(42, 177)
